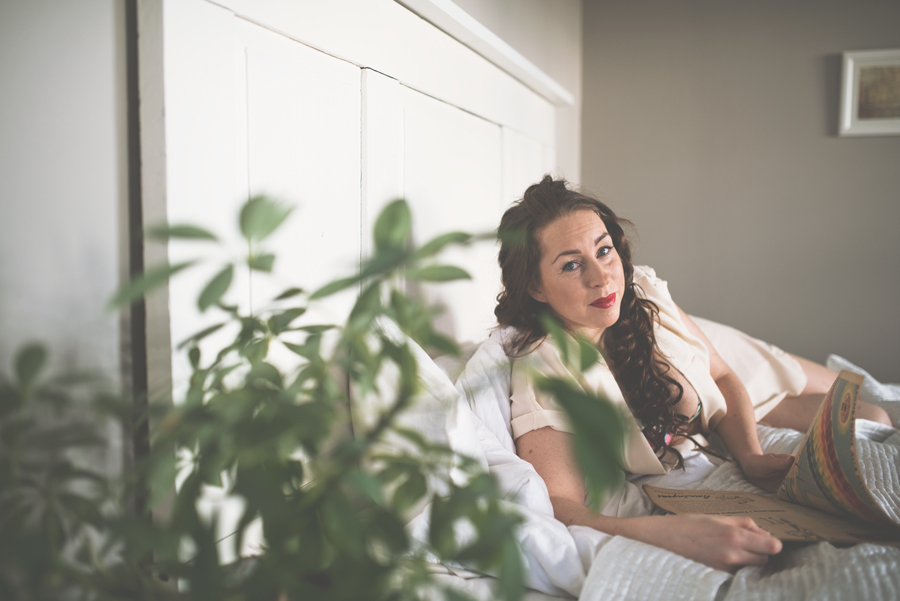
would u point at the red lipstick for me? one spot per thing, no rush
(606, 302)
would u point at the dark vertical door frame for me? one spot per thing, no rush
(137, 317)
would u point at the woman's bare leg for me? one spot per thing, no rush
(818, 377)
(797, 412)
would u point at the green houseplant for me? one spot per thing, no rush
(342, 514)
(333, 527)
(50, 502)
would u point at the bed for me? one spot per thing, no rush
(562, 562)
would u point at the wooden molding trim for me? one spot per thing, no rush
(454, 21)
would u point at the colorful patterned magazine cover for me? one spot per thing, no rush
(826, 474)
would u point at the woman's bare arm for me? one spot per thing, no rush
(724, 543)
(738, 427)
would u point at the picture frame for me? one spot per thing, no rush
(870, 93)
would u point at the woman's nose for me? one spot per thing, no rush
(597, 274)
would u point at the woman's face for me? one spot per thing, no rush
(581, 274)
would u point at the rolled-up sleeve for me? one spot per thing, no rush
(529, 408)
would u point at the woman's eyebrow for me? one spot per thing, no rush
(578, 252)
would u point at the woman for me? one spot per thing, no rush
(567, 253)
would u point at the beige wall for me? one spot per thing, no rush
(712, 125)
(548, 33)
(62, 177)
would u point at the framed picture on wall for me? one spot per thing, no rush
(870, 93)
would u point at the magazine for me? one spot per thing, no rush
(823, 497)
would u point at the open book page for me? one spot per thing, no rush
(783, 520)
(826, 474)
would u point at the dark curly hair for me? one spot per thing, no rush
(630, 343)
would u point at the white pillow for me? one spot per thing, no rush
(485, 383)
(436, 412)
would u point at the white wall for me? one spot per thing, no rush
(62, 176)
(713, 127)
(548, 33)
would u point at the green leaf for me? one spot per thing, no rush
(588, 353)
(263, 373)
(289, 293)
(388, 528)
(511, 571)
(435, 245)
(261, 216)
(442, 345)
(366, 306)
(317, 329)
(599, 435)
(86, 509)
(309, 349)
(280, 322)
(215, 289)
(493, 527)
(413, 436)
(342, 524)
(437, 273)
(221, 374)
(29, 362)
(335, 286)
(262, 262)
(383, 263)
(143, 284)
(557, 334)
(161, 475)
(367, 485)
(451, 594)
(299, 349)
(233, 309)
(393, 226)
(194, 357)
(256, 350)
(200, 335)
(60, 437)
(441, 535)
(164, 231)
(410, 492)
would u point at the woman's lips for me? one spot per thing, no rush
(606, 302)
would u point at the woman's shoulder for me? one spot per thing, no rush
(644, 271)
(652, 286)
(544, 357)
(539, 353)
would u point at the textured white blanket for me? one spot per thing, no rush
(819, 571)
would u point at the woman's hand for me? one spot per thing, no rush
(766, 471)
(723, 543)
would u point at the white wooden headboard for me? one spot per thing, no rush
(337, 107)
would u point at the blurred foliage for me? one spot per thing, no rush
(597, 426)
(334, 527)
(52, 507)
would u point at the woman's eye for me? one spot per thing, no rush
(570, 266)
(604, 250)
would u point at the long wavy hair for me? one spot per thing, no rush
(629, 344)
